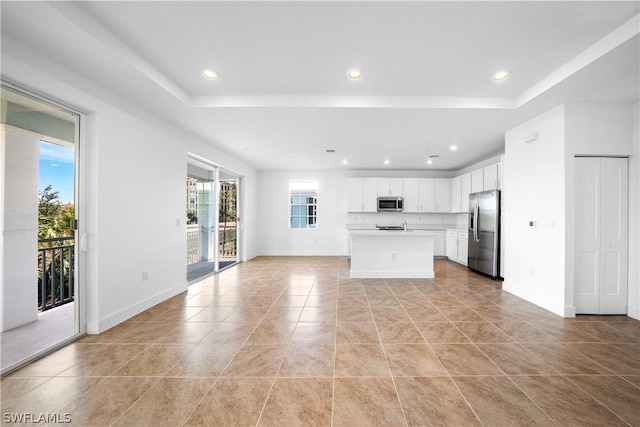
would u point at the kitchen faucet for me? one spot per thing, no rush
(404, 225)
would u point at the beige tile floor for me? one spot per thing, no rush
(293, 341)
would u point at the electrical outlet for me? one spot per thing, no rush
(145, 276)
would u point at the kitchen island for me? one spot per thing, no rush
(391, 254)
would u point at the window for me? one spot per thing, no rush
(303, 201)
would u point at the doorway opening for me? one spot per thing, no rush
(39, 278)
(228, 223)
(213, 222)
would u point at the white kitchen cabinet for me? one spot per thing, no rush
(410, 193)
(442, 195)
(465, 190)
(452, 245)
(362, 193)
(455, 194)
(491, 177)
(419, 194)
(477, 180)
(459, 188)
(463, 247)
(389, 187)
(457, 246)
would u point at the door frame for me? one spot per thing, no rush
(215, 170)
(580, 303)
(80, 202)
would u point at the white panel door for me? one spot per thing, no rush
(613, 245)
(587, 223)
(601, 235)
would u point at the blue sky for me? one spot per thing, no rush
(56, 169)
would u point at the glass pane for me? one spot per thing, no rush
(39, 145)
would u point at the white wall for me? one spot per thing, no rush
(134, 181)
(591, 130)
(633, 305)
(276, 238)
(534, 183)
(539, 181)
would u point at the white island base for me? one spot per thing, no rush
(391, 254)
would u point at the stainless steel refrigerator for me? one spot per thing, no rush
(484, 232)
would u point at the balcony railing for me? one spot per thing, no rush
(227, 238)
(55, 272)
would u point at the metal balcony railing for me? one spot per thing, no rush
(55, 272)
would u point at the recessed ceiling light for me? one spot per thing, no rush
(210, 75)
(500, 75)
(453, 147)
(355, 74)
(430, 161)
(386, 162)
(345, 161)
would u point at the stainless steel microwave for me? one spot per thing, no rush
(390, 204)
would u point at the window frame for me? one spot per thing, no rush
(303, 214)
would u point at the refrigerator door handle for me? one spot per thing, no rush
(476, 229)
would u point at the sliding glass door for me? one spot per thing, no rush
(39, 277)
(212, 219)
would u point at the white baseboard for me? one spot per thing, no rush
(552, 306)
(633, 312)
(291, 253)
(126, 313)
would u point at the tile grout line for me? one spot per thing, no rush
(568, 377)
(335, 349)
(284, 355)
(440, 360)
(230, 359)
(384, 352)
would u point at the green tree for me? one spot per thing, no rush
(54, 219)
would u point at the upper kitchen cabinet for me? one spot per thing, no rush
(491, 177)
(477, 181)
(455, 191)
(419, 195)
(465, 190)
(362, 193)
(442, 195)
(389, 187)
(459, 188)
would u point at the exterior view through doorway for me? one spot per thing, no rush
(212, 218)
(41, 265)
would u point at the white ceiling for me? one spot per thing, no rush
(283, 97)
